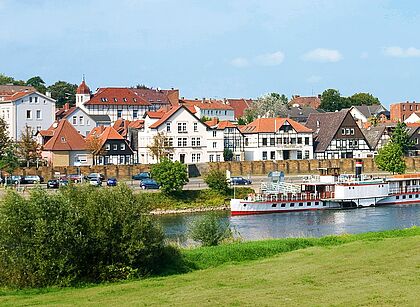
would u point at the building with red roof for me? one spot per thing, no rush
(210, 108)
(239, 106)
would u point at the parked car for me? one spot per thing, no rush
(33, 179)
(111, 182)
(95, 182)
(53, 184)
(149, 183)
(14, 179)
(239, 181)
(141, 176)
(75, 177)
(64, 182)
(99, 176)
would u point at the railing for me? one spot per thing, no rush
(283, 197)
(280, 187)
(409, 189)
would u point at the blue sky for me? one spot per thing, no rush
(230, 48)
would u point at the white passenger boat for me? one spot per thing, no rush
(329, 190)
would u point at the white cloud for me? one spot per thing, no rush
(270, 59)
(323, 55)
(401, 52)
(314, 79)
(239, 62)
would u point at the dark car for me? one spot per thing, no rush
(111, 182)
(239, 181)
(53, 184)
(141, 176)
(14, 180)
(149, 184)
(33, 179)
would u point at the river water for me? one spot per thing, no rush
(301, 224)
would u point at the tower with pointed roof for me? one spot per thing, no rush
(82, 94)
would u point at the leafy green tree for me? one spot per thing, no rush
(37, 83)
(373, 120)
(160, 147)
(216, 180)
(27, 147)
(171, 176)
(4, 137)
(269, 105)
(10, 80)
(209, 230)
(331, 101)
(241, 121)
(390, 158)
(204, 119)
(359, 99)
(63, 92)
(227, 154)
(400, 136)
(9, 161)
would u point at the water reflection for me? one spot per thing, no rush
(303, 224)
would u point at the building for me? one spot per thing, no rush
(83, 122)
(337, 135)
(109, 146)
(277, 139)
(402, 110)
(309, 101)
(301, 114)
(158, 98)
(191, 140)
(10, 89)
(413, 118)
(62, 145)
(129, 130)
(210, 108)
(362, 113)
(377, 136)
(27, 108)
(239, 106)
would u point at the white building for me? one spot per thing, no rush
(30, 108)
(192, 140)
(413, 118)
(83, 122)
(210, 108)
(277, 139)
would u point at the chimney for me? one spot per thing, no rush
(48, 94)
(204, 99)
(319, 96)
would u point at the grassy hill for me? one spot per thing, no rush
(369, 269)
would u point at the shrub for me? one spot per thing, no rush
(171, 176)
(209, 230)
(216, 180)
(77, 234)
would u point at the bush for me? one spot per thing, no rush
(209, 230)
(171, 176)
(216, 180)
(77, 234)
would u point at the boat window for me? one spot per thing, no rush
(308, 203)
(316, 203)
(300, 204)
(274, 205)
(417, 195)
(324, 204)
(397, 197)
(292, 204)
(244, 205)
(403, 196)
(283, 205)
(410, 196)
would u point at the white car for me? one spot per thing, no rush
(95, 182)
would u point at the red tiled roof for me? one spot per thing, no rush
(83, 88)
(122, 125)
(65, 137)
(164, 117)
(117, 96)
(239, 106)
(313, 102)
(46, 132)
(212, 122)
(104, 133)
(7, 90)
(17, 95)
(156, 114)
(271, 125)
(158, 96)
(225, 124)
(209, 104)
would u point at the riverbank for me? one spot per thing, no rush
(366, 269)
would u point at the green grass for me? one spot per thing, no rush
(367, 269)
(189, 199)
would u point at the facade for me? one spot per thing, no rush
(111, 147)
(337, 135)
(210, 108)
(28, 108)
(83, 122)
(62, 145)
(362, 113)
(277, 139)
(402, 110)
(413, 118)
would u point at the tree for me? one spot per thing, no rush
(171, 176)
(227, 154)
(209, 230)
(37, 83)
(204, 119)
(390, 158)
(216, 180)
(9, 161)
(269, 105)
(400, 136)
(95, 147)
(373, 120)
(332, 101)
(27, 147)
(241, 121)
(4, 136)
(359, 99)
(10, 80)
(160, 147)
(63, 92)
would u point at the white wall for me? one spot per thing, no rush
(81, 121)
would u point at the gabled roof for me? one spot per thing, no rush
(311, 101)
(272, 125)
(104, 134)
(117, 96)
(301, 114)
(9, 89)
(171, 112)
(65, 138)
(122, 125)
(220, 125)
(374, 134)
(100, 118)
(369, 111)
(156, 114)
(158, 96)
(17, 95)
(325, 126)
(239, 106)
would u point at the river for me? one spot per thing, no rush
(301, 224)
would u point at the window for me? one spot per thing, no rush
(299, 140)
(114, 146)
(169, 142)
(211, 158)
(299, 155)
(119, 113)
(38, 128)
(214, 133)
(308, 204)
(182, 127)
(348, 131)
(217, 158)
(28, 114)
(246, 142)
(168, 126)
(63, 139)
(107, 147)
(352, 131)
(198, 141)
(292, 204)
(317, 203)
(193, 157)
(264, 141)
(283, 205)
(36, 99)
(30, 99)
(272, 141)
(135, 113)
(195, 127)
(38, 114)
(171, 156)
(272, 155)
(122, 146)
(198, 157)
(306, 154)
(81, 120)
(193, 142)
(293, 141)
(306, 141)
(214, 144)
(264, 155)
(343, 131)
(300, 204)
(74, 120)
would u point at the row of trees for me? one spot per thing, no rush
(61, 91)
(331, 100)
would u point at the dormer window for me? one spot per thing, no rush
(115, 99)
(63, 139)
(317, 123)
(125, 99)
(135, 99)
